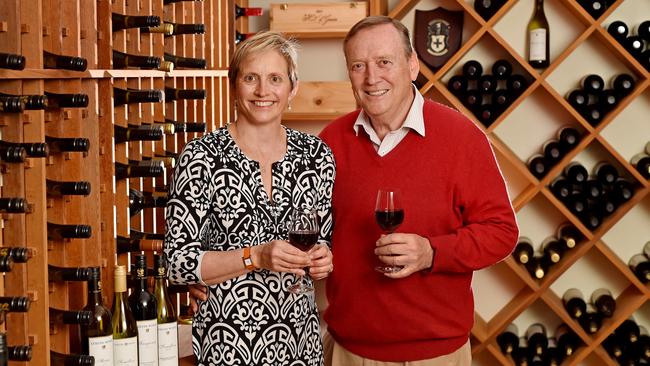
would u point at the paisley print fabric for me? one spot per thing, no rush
(217, 202)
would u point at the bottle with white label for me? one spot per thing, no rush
(143, 306)
(167, 325)
(125, 329)
(97, 335)
(538, 38)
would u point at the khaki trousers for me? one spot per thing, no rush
(335, 355)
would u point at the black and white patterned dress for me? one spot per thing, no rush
(217, 202)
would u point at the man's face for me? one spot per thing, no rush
(380, 72)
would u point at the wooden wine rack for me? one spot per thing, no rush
(83, 28)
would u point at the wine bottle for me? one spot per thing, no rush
(593, 189)
(590, 320)
(125, 329)
(628, 331)
(167, 128)
(12, 154)
(14, 304)
(473, 100)
(247, 12)
(123, 171)
(538, 165)
(127, 245)
(604, 302)
(12, 61)
(538, 38)
(240, 37)
(165, 28)
(61, 274)
(508, 340)
(167, 2)
(595, 8)
(66, 100)
(123, 60)
(578, 99)
(144, 307)
(124, 96)
(590, 219)
(178, 94)
(457, 85)
(574, 303)
(568, 235)
(618, 29)
(137, 133)
(55, 188)
(31, 102)
(643, 30)
(472, 70)
(566, 340)
(501, 69)
(623, 84)
(97, 335)
(641, 162)
(21, 353)
(606, 173)
(186, 62)
(62, 359)
(121, 21)
(552, 356)
(188, 28)
(552, 250)
(167, 326)
(486, 113)
(11, 104)
(634, 46)
(67, 144)
(593, 83)
(165, 162)
(577, 203)
(622, 191)
(54, 61)
(68, 231)
(13, 205)
(605, 206)
(17, 254)
(188, 126)
(552, 152)
(537, 267)
(32, 149)
(520, 354)
(501, 99)
(138, 201)
(486, 84)
(561, 188)
(642, 345)
(640, 266)
(515, 85)
(136, 234)
(6, 263)
(613, 345)
(59, 316)
(524, 250)
(536, 339)
(576, 173)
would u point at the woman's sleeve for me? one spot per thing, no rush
(327, 172)
(187, 214)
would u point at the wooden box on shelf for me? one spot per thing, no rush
(317, 20)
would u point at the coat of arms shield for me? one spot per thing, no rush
(437, 35)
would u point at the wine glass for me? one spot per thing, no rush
(389, 214)
(303, 234)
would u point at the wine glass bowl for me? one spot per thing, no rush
(303, 234)
(389, 214)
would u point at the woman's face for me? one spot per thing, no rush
(263, 88)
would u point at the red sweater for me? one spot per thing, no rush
(453, 194)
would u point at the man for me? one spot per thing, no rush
(457, 214)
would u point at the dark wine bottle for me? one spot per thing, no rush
(97, 335)
(11, 104)
(240, 37)
(641, 162)
(127, 245)
(508, 340)
(568, 235)
(487, 113)
(6, 263)
(188, 28)
(590, 219)
(61, 274)
(12, 61)
(577, 203)
(123, 60)
(67, 144)
(561, 188)
(614, 345)
(144, 307)
(606, 173)
(486, 84)
(501, 69)
(566, 340)
(54, 61)
(595, 8)
(640, 266)
(516, 84)
(593, 83)
(604, 302)
(32, 149)
(62, 359)
(501, 99)
(66, 100)
(590, 320)
(178, 94)
(642, 345)
(136, 234)
(167, 128)
(13, 205)
(552, 250)
(12, 154)
(247, 12)
(138, 201)
(578, 99)
(136, 133)
(165, 161)
(59, 316)
(622, 191)
(520, 355)
(552, 356)
(123, 171)
(537, 267)
(576, 173)
(628, 331)
(552, 152)
(121, 21)
(14, 304)
(607, 100)
(165, 28)
(167, 321)
(643, 30)
(457, 85)
(188, 126)
(623, 84)
(473, 100)
(68, 231)
(125, 329)
(618, 29)
(472, 70)
(186, 62)
(19, 353)
(634, 46)
(31, 102)
(59, 188)
(16, 254)
(538, 165)
(574, 303)
(536, 339)
(538, 38)
(524, 250)
(593, 189)
(123, 96)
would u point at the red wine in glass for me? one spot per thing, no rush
(389, 221)
(303, 240)
(303, 234)
(389, 214)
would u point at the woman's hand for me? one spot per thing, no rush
(280, 256)
(321, 262)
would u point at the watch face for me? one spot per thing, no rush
(248, 261)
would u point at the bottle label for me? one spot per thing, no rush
(148, 342)
(125, 351)
(168, 344)
(537, 45)
(102, 349)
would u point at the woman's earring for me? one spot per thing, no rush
(289, 106)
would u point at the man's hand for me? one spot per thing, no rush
(199, 292)
(321, 262)
(411, 251)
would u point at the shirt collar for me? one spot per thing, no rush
(414, 118)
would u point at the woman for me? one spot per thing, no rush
(229, 204)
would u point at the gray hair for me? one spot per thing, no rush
(373, 21)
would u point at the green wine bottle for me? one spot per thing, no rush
(143, 306)
(97, 336)
(167, 326)
(538, 38)
(125, 329)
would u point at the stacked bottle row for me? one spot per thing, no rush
(638, 44)
(487, 95)
(592, 198)
(535, 347)
(629, 344)
(13, 304)
(553, 151)
(641, 162)
(589, 315)
(140, 328)
(593, 101)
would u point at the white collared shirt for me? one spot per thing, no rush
(414, 121)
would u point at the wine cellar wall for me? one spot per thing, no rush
(121, 99)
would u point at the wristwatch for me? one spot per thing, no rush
(246, 258)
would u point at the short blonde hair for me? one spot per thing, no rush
(266, 41)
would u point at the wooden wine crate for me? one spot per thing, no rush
(317, 20)
(325, 99)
